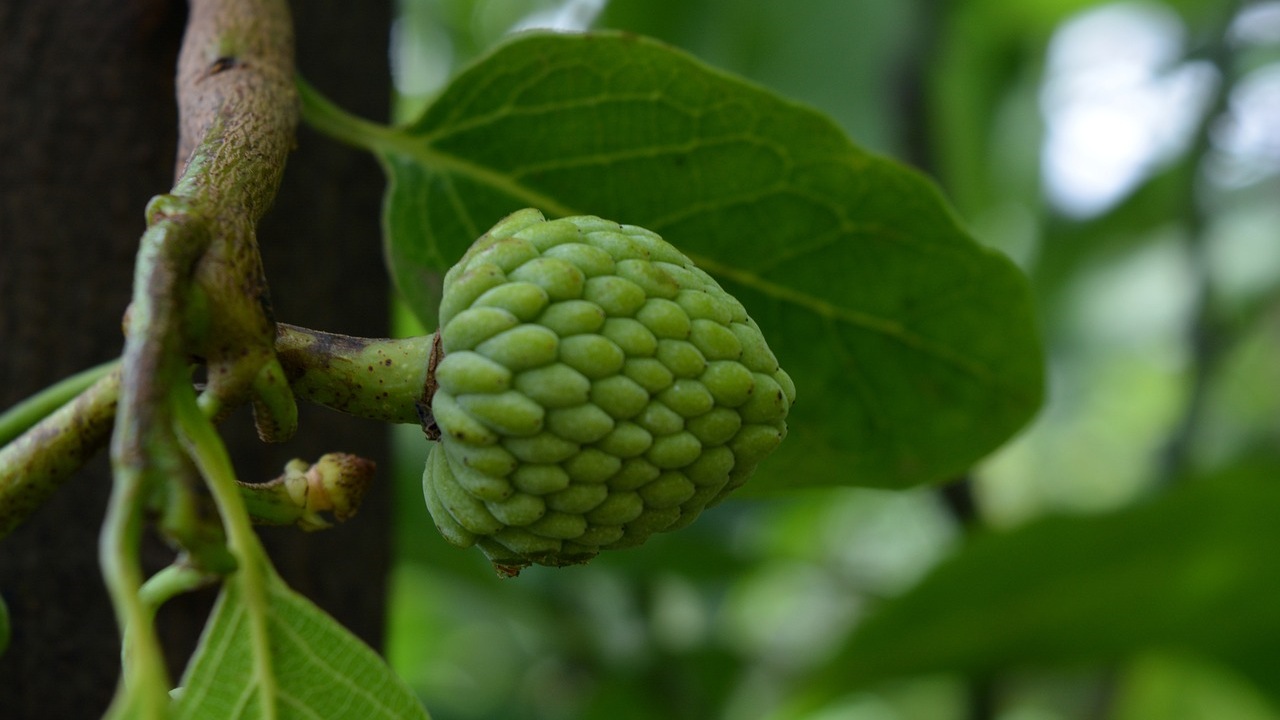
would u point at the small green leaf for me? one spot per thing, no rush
(1193, 571)
(913, 349)
(319, 669)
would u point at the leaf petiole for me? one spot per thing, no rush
(170, 582)
(210, 456)
(21, 417)
(322, 114)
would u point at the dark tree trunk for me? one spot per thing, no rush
(87, 136)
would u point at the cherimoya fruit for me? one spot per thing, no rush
(595, 388)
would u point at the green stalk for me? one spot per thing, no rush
(386, 380)
(379, 379)
(199, 290)
(145, 683)
(35, 465)
(328, 118)
(210, 456)
(21, 417)
(171, 582)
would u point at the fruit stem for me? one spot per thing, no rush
(375, 378)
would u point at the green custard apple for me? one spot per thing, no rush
(594, 387)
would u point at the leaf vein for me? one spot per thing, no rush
(299, 706)
(889, 328)
(315, 658)
(194, 696)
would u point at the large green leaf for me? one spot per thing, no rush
(318, 669)
(913, 348)
(1194, 571)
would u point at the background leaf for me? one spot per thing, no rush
(913, 349)
(320, 669)
(1192, 571)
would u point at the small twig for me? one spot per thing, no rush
(37, 463)
(210, 455)
(26, 414)
(381, 379)
(199, 290)
(34, 465)
(178, 578)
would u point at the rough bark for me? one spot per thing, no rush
(322, 249)
(88, 133)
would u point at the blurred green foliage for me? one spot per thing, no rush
(1161, 312)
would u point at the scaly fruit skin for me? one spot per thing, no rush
(595, 388)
